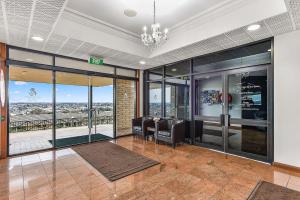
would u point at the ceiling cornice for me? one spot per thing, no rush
(212, 12)
(100, 22)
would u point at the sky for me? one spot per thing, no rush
(42, 92)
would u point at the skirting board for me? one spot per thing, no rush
(285, 166)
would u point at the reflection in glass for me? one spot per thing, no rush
(249, 95)
(181, 68)
(254, 54)
(208, 96)
(177, 98)
(30, 110)
(156, 73)
(155, 99)
(209, 133)
(248, 139)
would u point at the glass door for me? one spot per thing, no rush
(72, 109)
(30, 109)
(102, 112)
(209, 108)
(231, 112)
(248, 111)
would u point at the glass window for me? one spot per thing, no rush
(31, 57)
(69, 63)
(177, 98)
(249, 92)
(181, 68)
(208, 96)
(155, 99)
(256, 54)
(248, 139)
(156, 73)
(103, 104)
(30, 109)
(125, 72)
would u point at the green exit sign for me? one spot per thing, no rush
(95, 61)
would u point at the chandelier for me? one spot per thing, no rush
(156, 37)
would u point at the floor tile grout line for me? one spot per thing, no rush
(46, 173)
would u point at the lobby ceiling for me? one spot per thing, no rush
(75, 31)
(168, 12)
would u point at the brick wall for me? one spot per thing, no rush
(125, 97)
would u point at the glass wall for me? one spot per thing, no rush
(155, 99)
(177, 98)
(230, 97)
(84, 101)
(30, 109)
(72, 110)
(103, 106)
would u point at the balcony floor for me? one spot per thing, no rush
(22, 142)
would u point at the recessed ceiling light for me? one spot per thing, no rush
(37, 38)
(253, 27)
(142, 62)
(174, 70)
(130, 13)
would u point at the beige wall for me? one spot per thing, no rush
(125, 97)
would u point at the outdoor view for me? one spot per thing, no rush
(30, 107)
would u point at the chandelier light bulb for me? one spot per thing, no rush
(145, 28)
(156, 36)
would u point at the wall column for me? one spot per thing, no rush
(3, 102)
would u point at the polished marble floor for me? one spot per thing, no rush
(188, 172)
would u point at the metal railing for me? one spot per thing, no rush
(36, 125)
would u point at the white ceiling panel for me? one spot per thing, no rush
(27, 18)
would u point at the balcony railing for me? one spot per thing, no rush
(36, 125)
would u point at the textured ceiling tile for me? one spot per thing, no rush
(55, 3)
(18, 9)
(47, 9)
(295, 11)
(280, 24)
(239, 36)
(40, 17)
(223, 41)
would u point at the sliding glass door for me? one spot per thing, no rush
(232, 111)
(102, 113)
(72, 109)
(84, 106)
(30, 109)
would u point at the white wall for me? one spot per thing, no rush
(287, 99)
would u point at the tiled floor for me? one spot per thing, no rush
(36, 140)
(188, 172)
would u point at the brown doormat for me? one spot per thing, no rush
(113, 161)
(270, 191)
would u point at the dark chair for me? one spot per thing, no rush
(142, 126)
(170, 131)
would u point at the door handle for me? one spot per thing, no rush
(222, 119)
(225, 120)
